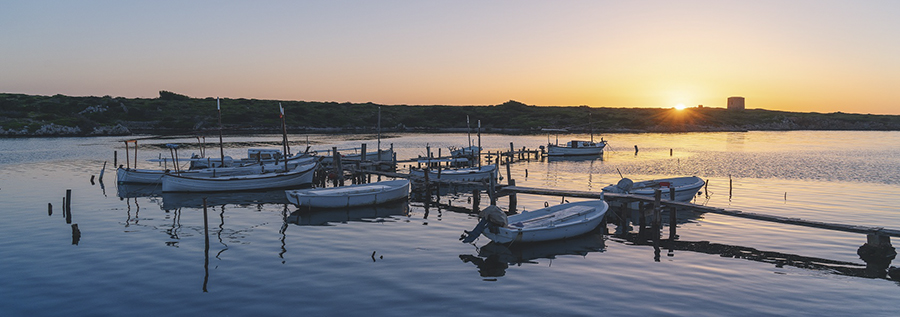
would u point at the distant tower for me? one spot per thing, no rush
(735, 103)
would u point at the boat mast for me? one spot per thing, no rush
(221, 148)
(284, 143)
(479, 143)
(468, 133)
(590, 126)
(379, 134)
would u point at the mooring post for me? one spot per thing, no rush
(513, 201)
(427, 182)
(657, 211)
(508, 173)
(493, 190)
(362, 157)
(49, 209)
(115, 158)
(512, 151)
(69, 206)
(672, 216)
(476, 199)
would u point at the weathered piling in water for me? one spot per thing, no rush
(76, 234)
(476, 199)
(49, 209)
(673, 218)
(362, 157)
(513, 201)
(69, 206)
(115, 158)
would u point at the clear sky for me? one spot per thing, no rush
(796, 55)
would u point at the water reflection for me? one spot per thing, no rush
(172, 201)
(326, 217)
(493, 258)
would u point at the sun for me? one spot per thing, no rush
(680, 106)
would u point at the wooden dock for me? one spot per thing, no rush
(507, 190)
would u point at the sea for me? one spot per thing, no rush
(130, 250)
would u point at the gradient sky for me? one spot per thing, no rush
(806, 56)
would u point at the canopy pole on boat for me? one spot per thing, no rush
(479, 143)
(221, 147)
(379, 133)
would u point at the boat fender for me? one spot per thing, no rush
(494, 215)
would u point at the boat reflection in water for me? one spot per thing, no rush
(494, 258)
(326, 217)
(171, 201)
(575, 158)
(137, 190)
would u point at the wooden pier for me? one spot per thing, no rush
(507, 190)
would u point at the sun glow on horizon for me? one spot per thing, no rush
(679, 106)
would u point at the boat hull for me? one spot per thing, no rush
(350, 196)
(588, 217)
(469, 174)
(686, 188)
(300, 176)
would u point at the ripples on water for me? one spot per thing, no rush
(145, 255)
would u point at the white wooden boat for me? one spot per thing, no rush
(686, 188)
(551, 223)
(576, 147)
(468, 174)
(297, 177)
(383, 155)
(150, 176)
(465, 151)
(350, 196)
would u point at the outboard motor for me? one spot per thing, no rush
(625, 184)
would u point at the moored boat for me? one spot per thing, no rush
(576, 147)
(546, 224)
(350, 196)
(468, 174)
(301, 175)
(686, 188)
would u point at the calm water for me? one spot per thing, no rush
(145, 255)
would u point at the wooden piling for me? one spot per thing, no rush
(362, 157)
(49, 209)
(115, 158)
(513, 201)
(69, 206)
(476, 199)
(673, 218)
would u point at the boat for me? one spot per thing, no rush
(686, 188)
(126, 175)
(467, 174)
(465, 151)
(301, 175)
(350, 196)
(545, 224)
(576, 147)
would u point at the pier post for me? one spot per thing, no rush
(476, 199)
(657, 211)
(68, 206)
(116, 158)
(513, 201)
(673, 218)
(362, 157)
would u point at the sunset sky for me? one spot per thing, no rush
(805, 56)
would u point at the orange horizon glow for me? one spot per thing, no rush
(600, 54)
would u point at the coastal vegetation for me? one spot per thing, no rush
(172, 113)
